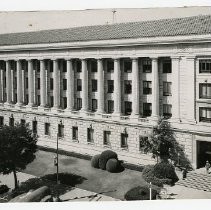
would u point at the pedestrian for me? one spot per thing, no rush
(207, 166)
(184, 173)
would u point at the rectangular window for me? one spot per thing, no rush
(106, 138)
(205, 114)
(51, 66)
(167, 110)
(11, 121)
(205, 66)
(147, 66)
(15, 82)
(64, 102)
(64, 65)
(23, 122)
(110, 86)
(78, 103)
(90, 135)
(27, 83)
(94, 85)
(147, 87)
(166, 66)
(75, 133)
(1, 120)
(51, 101)
(128, 107)
(38, 83)
(127, 66)
(124, 138)
(61, 131)
(51, 83)
(16, 97)
(128, 86)
(110, 65)
(78, 66)
(79, 85)
(38, 100)
(34, 127)
(166, 88)
(27, 98)
(205, 90)
(64, 84)
(142, 141)
(93, 65)
(94, 105)
(147, 109)
(47, 129)
(110, 106)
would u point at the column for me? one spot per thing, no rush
(100, 88)
(191, 88)
(23, 85)
(8, 82)
(30, 83)
(56, 82)
(1, 85)
(135, 88)
(42, 84)
(175, 62)
(85, 91)
(19, 84)
(155, 88)
(117, 87)
(70, 85)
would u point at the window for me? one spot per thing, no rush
(124, 137)
(106, 138)
(205, 66)
(142, 142)
(78, 103)
(110, 106)
(64, 84)
(147, 109)
(90, 135)
(64, 102)
(79, 85)
(51, 101)
(47, 129)
(93, 65)
(128, 107)
(94, 105)
(51, 66)
(51, 83)
(147, 66)
(127, 66)
(64, 65)
(38, 83)
(61, 131)
(205, 114)
(78, 66)
(166, 66)
(110, 65)
(110, 86)
(1, 120)
(147, 87)
(166, 88)
(27, 98)
(128, 86)
(205, 90)
(11, 121)
(34, 126)
(16, 97)
(38, 100)
(27, 83)
(23, 122)
(15, 82)
(94, 85)
(75, 133)
(167, 110)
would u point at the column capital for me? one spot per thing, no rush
(175, 57)
(154, 58)
(134, 58)
(68, 59)
(191, 57)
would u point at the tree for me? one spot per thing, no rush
(17, 148)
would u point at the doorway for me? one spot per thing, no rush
(203, 153)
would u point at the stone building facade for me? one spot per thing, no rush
(100, 87)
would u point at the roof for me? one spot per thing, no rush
(196, 25)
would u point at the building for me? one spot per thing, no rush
(105, 86)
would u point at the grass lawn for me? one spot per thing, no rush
(96, 180)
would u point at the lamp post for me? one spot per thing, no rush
(150, 191)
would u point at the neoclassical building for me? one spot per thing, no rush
(105, 86)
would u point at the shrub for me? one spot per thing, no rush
(95, 161)
(105, 156)
(112, 165)
(3, 189)
(140, 193)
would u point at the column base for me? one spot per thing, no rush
(134, 116)
(54, 109)
(18, 105)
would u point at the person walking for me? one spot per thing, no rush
(207, 166)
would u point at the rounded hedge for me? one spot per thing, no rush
(112, 165)
(105, 156)
(95, 161)
(140, 193)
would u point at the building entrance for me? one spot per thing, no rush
(203, 153)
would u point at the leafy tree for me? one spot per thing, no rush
(17, 148)
(163, 145)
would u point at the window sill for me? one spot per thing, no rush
(75, 140)
(90, 143)
(124, 148)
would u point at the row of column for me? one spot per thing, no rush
(85, 95)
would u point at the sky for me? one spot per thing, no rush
(33, 5)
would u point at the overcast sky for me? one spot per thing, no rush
(24, 5)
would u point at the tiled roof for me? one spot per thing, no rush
(196, 25)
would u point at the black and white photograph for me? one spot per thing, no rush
(103, 102)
